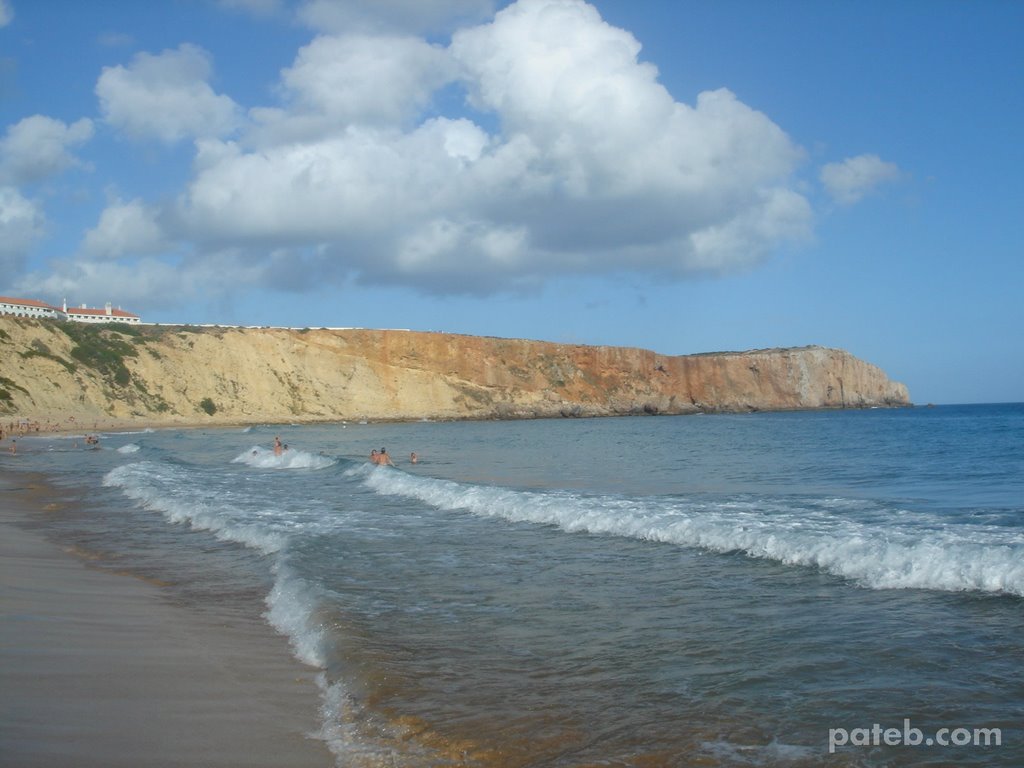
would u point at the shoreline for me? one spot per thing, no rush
(102, 669)
(143, 423)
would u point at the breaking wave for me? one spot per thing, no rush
(263, 458)
(875, 546)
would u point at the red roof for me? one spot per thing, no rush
(26, 302)
(99, 312)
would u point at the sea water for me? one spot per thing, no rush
(771, 589)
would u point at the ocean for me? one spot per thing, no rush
(768, 589)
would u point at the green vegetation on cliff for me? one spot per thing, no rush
(6, 385)
(103, 348)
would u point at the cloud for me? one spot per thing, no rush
(570, 84)
(534, 145)
(391, 16)
(849, 181)
(124, 229)
(356, 79)
(6, 13)
(32, 150)
(37, 147)
(21, 224)
(149, 282)
(166, 97)
(574, 160)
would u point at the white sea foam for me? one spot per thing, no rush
(357, 736)
(855, 539)
(295, 609)
(773, 753)
(130, 448)
(291, 606)
(263, 458)
(168, 490)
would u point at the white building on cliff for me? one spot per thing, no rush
(82, 314)
(28, 308)
(108, 314)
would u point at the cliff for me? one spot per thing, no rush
(189, 375)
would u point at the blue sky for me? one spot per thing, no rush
(678, 176)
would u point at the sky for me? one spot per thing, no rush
(674, 175)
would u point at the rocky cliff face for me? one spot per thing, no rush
(187, 375)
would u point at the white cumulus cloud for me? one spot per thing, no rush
(126, 229)
(852, 179)
(6, 13)
(577, 160)
(338, 81)
(21, 223)
(149, 282)
(166, 96)
(38, 147)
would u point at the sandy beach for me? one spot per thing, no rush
(101, 669)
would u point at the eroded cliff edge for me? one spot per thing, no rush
(190, 375)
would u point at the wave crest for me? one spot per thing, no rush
(262, 458)
(855, 539)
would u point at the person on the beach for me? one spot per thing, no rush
(278, 448)
(14, 446)
(413, 457)
(373, 457)
(383, 459)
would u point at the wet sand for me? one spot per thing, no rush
(100, 669)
